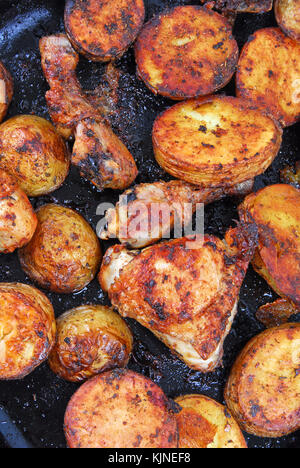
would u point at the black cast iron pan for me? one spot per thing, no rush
(32, 410)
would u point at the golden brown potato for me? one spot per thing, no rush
(184, 291)
(245, 6)
(288, 17)
(102, 30)
(291, 175)
(17, 218)
(90, 340)
(263, 390)
(32, 151)
(276, 212)
(6, 90)
(276, 313)
(216, 141)
(186, 52)
(27, 329)
(64, 253)
(269, 74)
(120, 409)
(204, 423)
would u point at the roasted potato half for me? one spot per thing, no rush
(263, 390)
(215, 141)
(17, 218)
(269, 74)
(186, 52)
(34, 153)
(90, 340)
(64, 253)
(276, 212)
(120, 409)
(276, 313)
(288, 17)
(6, 90)
(204, 423)
(102, 30)
(27, 329)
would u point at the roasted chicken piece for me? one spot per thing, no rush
(17, 218)
(6, 90)
(155, 208)
(276, 313)
(276, 212)
(98, 152)
(185, 291)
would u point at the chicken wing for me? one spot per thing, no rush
(186, 294)
(101, 157)
(157, 207)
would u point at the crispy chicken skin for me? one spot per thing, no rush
(100, 155)
(17, 218)
(27, 329)
(6, 90)
(156, 207)
(186, 294)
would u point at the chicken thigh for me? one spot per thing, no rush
(185, 291)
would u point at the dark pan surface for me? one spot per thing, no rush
(36, 404)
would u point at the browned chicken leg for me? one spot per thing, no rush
(157, 207)
(186, 296)
(101, 157)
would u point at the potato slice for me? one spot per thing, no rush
(90, 340)
(17, 218)
(64, 253)
(204, 423)
(120, 409)
(215, 141)
(276, 212)
(102, 30)
(34, 153)
(288, 17)
(263, 390)
(269, 74)
(6, 90)
(186, 52)
(27, 329)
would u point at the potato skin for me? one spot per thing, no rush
(34, 153)
(174, 60)
(64, 253)
(205, 423)
(6, 90)
(102, 30)
(276, 212)
(17, 218)
(263, 390)
(90, 340)
(215, 141)
(27, 329)
(245, 6)
(120, 409)
(287, 14)
(268, 74)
